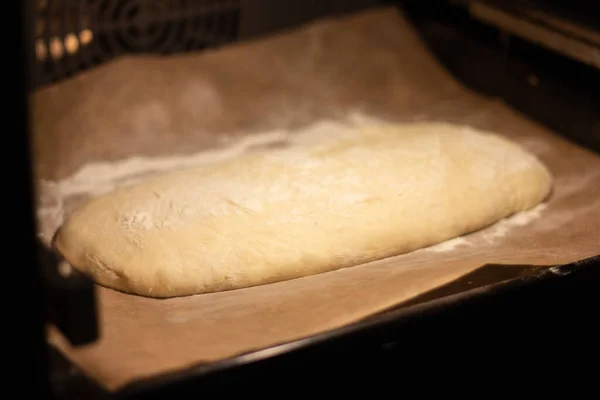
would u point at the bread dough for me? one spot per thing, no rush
(324, 203)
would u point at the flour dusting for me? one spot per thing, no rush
(503, 227)
(449, 245)
(490, 234)
(58, 198)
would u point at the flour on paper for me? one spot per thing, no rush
(503, 227)
(491, 233)
(449, 245)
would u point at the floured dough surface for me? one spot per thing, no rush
(321, 204)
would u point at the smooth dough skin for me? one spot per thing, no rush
(318, 205)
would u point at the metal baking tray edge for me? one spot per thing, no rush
(386, 332)
(401, 329)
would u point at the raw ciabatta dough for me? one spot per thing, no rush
(323, 204)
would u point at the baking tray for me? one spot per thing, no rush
(537, 299)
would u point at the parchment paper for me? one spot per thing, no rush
(370, 64)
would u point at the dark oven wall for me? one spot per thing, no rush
(552, 88)
(72, 36)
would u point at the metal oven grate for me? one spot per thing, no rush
(73, 35)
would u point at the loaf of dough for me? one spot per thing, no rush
(321, 204)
